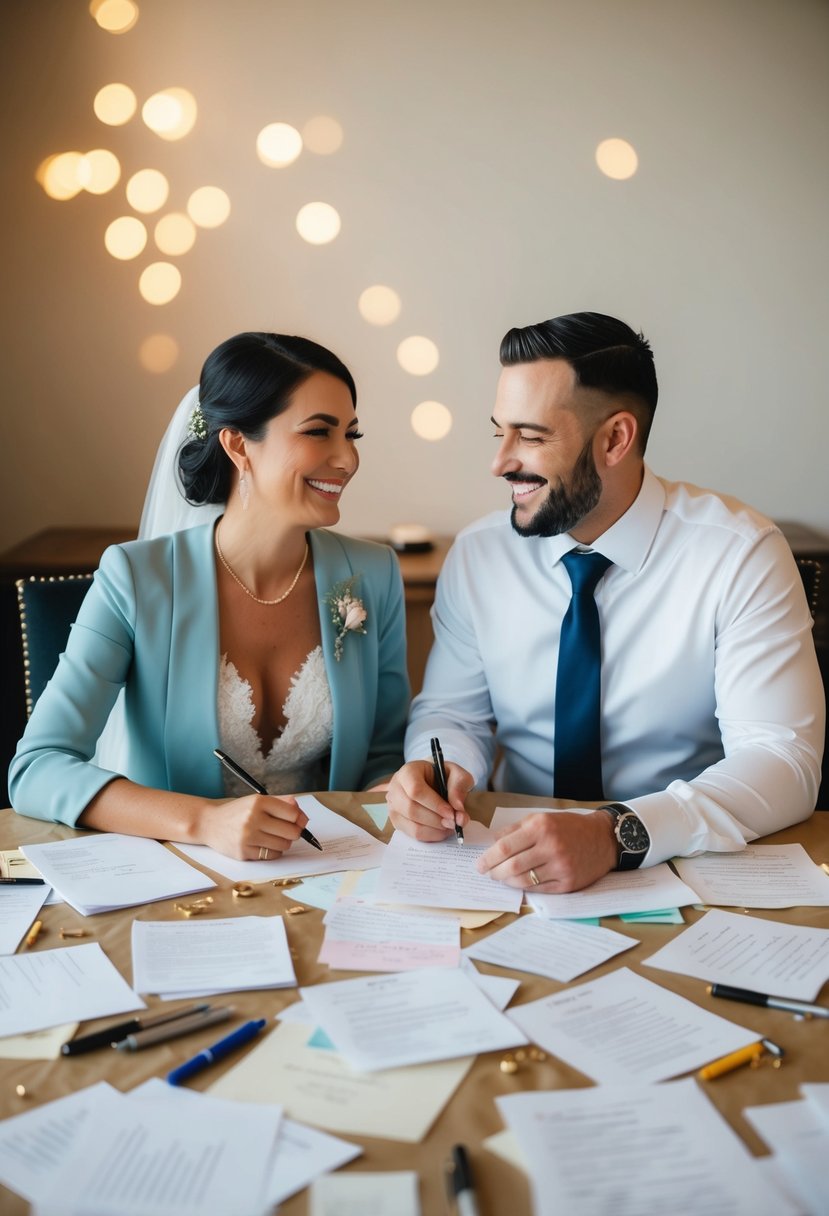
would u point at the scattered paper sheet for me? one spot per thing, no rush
(798, 1136)
(364, 1194)
(660, 916)
(322, 891)
(318, 1087)
(106, 871)
(39, 1045)
(378, 812)
(748, 952)
(45, 988)
(669, 1146)
(442, 874)
(14, 865)
(301, 1153)
(35, 1145)
(627, 891)
(504, 1145)
(623, 1028)
(345, 847)
(19, 906)
(760, 876)
(497, 988)
(216, 1160)
(557, 949)
(211, 956)
(368, 937)
(390, 1021)
(786, 1125)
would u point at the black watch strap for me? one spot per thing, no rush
(627, 859)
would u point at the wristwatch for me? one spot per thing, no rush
(631, 834)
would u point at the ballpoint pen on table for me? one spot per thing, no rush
(23, 882)
(173, 1030)
(114, 1034)
(440, 781)
(746, 1055)
(257, 788)
(768, 1002)
(460, 1183)
(217, 1052)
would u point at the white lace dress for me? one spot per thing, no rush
(297, 758)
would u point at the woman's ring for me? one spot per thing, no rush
(534, 879)
(264, 854)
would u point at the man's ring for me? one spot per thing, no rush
(534, 879)
(264, 854)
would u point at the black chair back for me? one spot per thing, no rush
(814, 571)
(47, 608)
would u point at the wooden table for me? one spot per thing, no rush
(471, 1114)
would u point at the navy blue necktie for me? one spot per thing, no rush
(578, 750)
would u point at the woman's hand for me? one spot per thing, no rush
(415, 806)
(244, 827)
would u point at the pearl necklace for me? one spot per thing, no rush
(247, 590)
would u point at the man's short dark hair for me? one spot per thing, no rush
(604, 353)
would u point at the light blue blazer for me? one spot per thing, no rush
(149, 623)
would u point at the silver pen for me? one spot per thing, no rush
(769, 1002)
(172, 1030)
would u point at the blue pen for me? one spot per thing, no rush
(217, 1052)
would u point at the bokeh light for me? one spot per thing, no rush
(114, 16)
(99, 171)
(171, 114)
(431, 420)
(318, 223)
(208, 207)
(158, 353)
(322, 135)
(175, 234)
(278, 144)
(147, 190)
(59, 175)
(115, 104)
(160, 282)
(125, 238)
(617, 159)
(379, 305)
(418, 355)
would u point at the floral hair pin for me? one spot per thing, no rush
(348, 613)
(197, 426)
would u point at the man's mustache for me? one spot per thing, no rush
(525, 478)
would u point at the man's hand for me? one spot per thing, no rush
(415, 807)
(565, 851)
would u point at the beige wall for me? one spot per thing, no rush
(467, 182)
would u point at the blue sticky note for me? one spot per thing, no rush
(379, 813)
(320, 1039)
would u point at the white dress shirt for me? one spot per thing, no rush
(713, 707)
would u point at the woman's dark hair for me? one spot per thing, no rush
(605, 354)
(244, 383)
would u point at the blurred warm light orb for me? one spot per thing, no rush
(208, 207)
(99, 171)
(125, 238)
(171, 114)
(158, 353)
(431, 420)
(318, 223)
(114, 16)
(175, 234)
(418, 355)
(160, 282)
(115, 104)
(617, 159)
(278, 144)
(322, 135)
(147, 190)
(59, 175)
(379, 305)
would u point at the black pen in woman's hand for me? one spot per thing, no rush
(257, 788)
(440, 782)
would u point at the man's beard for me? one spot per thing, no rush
(564, 507)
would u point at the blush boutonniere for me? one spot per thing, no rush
(348, 613)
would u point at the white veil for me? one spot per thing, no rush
(165, 510)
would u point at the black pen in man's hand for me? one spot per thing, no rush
(257, 788)
(440, 782)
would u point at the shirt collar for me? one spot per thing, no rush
(628, 541)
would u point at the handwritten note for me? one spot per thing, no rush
(557, 949)
(368, 937)
(442, 874)
(760, 876)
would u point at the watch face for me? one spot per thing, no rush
(632, 834)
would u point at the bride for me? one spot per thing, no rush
(257, 630)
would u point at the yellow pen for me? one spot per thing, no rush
(736, 1059)
(34, 933)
